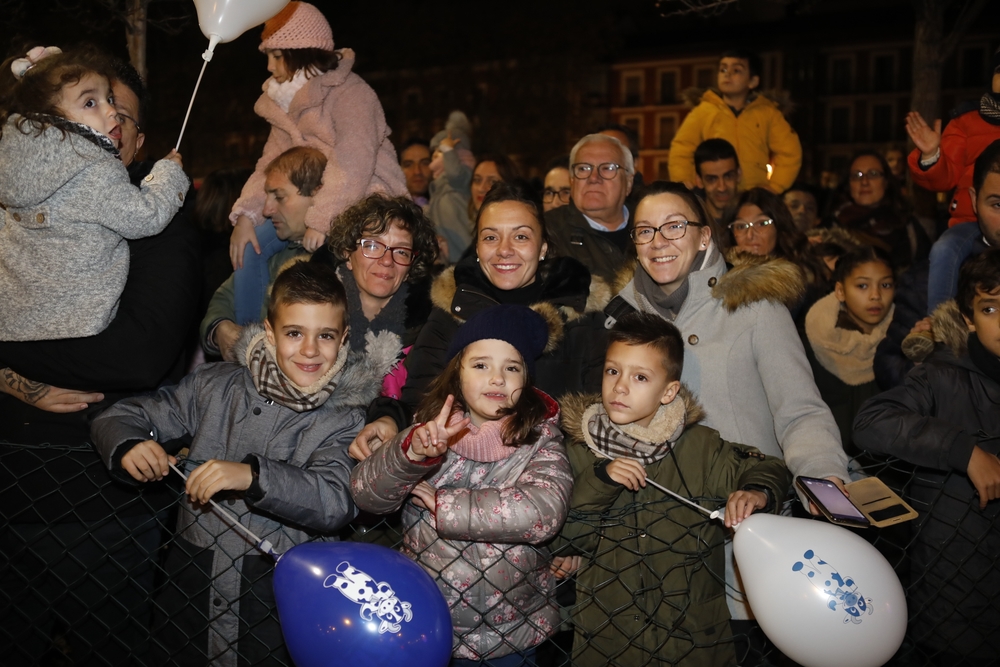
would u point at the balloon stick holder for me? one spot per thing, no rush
(213, 41)
(263, 545)
(719, 514)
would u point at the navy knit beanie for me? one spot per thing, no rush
(518, 325)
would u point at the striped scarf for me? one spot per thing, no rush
(989, 109)
(272, 384)
(646, 444)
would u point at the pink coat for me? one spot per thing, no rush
(339, 114)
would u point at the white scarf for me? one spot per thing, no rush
(283, 93)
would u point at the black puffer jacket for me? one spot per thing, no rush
(944, 408)
(571, 303)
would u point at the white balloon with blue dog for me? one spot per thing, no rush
(822, 594)
(347, 603)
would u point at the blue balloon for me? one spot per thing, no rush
(349, 603)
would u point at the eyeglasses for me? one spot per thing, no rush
(741, 226)
(871, 175)
(671, 231)
(549, 195)
(606, 170)
(125, 117)
(373, 249)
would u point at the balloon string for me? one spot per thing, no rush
(260, 544)
(190, 104)
(709, 513)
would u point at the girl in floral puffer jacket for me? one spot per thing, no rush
(488, 481)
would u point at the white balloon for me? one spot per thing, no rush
(228, 19)
(823, 595)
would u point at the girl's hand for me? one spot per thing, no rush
(175, 157)
(425, 495)
(564, 566)
(243, 233)
(147, 461)
(742, 504)
(431, 439)
(213, 476)
(313, 240)
(449, 142)
(628, 472)
(925, 324)
(925, 138)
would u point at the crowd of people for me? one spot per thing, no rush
(420, 329)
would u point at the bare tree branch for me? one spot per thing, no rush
(700, 7)
(966, 18)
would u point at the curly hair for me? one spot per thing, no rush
(372, 216)
(35, 94)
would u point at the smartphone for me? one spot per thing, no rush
(832, 502)
(879, 503)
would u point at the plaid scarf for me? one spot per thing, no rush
(272, 384)
(989, 109)
(646, 444)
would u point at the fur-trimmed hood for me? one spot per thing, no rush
(568, 293)
(574, 406)
(360, 378)
(751, 278)
(948, 328)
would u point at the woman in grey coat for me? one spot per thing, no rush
(743, 357)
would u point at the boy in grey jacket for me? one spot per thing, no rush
(271, 434)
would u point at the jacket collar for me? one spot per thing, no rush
(574, 407)
(313, 94)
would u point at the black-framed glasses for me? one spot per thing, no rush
(373, 249)
(122, 117)
(606, 170)
(871, 175)
(671, 231)
(549, 195)
(742, 226)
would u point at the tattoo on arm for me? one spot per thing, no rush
(22, 388)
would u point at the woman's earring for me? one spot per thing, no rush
(477, 260)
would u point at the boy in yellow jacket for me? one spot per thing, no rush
(751, 122)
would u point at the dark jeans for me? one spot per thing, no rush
(77, 593)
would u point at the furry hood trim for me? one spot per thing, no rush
(949, 329)
(361, 376)
(751, 279)
(574, 405)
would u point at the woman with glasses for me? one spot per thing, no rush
(743, 357)
(558, 188)
(874, 211)
(512, 265)
(761, 224)
(384, 247)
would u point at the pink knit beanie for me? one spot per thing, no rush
(298, 26)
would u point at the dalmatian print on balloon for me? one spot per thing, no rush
(842, 591)
(377, 599)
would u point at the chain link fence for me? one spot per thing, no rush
(93, 574)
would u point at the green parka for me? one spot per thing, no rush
(650, 588)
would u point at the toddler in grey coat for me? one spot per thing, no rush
(270, 434)
(66, 203)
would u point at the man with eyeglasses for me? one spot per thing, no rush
(594, 227)
(557, 184)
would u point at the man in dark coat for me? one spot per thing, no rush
(594, 227)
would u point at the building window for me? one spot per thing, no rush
(632, 90)
(973, 73)
(840, 76)
(884, 73)
(668, 87)
(705, 77)
(635, 124)
(662, 170)
(882, 122)
(666, 127)
(840, 125)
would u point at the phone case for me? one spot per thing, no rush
(872, 495)
(825, 512)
